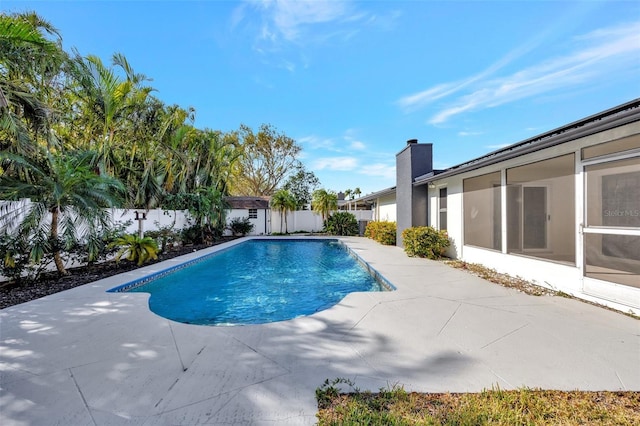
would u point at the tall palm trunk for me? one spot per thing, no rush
(281, 214)
(57, 259)
(286, 226)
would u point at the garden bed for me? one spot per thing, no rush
(51, 282)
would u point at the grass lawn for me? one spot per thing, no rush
(491, 407)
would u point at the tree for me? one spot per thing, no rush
(107, 101)
(29, 64)
(355, 193)
(342, 223)
(301, 185)
(348, 197)
(267, 157)
(283, 202)
(324, 202)
(207, 206)
(65, 191)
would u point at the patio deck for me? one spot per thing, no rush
(87, 357)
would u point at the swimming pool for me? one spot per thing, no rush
(258, 281)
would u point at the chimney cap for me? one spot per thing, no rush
(412, 141)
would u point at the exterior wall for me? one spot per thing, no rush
(386, 208)
(556, 275)
(261, 225)
(303, 220)
(308, 220)
(413, 161)
(454, 213)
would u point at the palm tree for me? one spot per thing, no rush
(324, 202)
(29, 62)
(68, 201)
(283, 201)
(108, 101)
(347, 196)
(356, 193)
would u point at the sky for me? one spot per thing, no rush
(352, 81)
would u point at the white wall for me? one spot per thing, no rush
(268, 221)
(308, 220)
(155, 218)
(386, 208)
(261, 224)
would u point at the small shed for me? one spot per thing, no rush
(255, 208)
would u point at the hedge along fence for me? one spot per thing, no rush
(425, 241)
(383, 232)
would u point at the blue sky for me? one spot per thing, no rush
(351, 81)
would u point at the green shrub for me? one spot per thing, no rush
(241, 226)
(342, 223)
(15, 261)
(136, 249)
(200, 234)
(165, 236)
(425, 241)
(383, 232)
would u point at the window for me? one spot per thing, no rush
(612, 194)
(442, 209)
(482, 211)
(253, 213)
(541, 209)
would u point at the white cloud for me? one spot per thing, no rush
(316, 142)
(345, 143)
(378, 170)
(498, 146)
(335, 163)
(290, 20)
(357, 145)
(465, 134)
(425, 97)
(594, 56)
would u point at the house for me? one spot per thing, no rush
(381, 203)
(257, 209)
(561, 209)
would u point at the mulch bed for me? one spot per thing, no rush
(51, 282)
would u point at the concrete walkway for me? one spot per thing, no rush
(87, 357)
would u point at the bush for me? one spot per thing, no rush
(383, 232)
(425, 241)
(241, 226)
(98, 246)
(136, 249)
(164, 236)
(342, 223)
(15, 260)
(198, 234)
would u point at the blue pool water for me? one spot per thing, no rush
(259, 281)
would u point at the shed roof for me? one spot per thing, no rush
(248, 202)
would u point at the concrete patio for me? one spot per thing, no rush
(87, 357)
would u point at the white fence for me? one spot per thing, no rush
(267, 221)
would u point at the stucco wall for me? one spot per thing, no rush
(386, 208)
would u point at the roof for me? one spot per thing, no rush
(611, 118)
(377, 194)
(248, 202)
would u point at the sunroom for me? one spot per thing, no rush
(561, 209)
